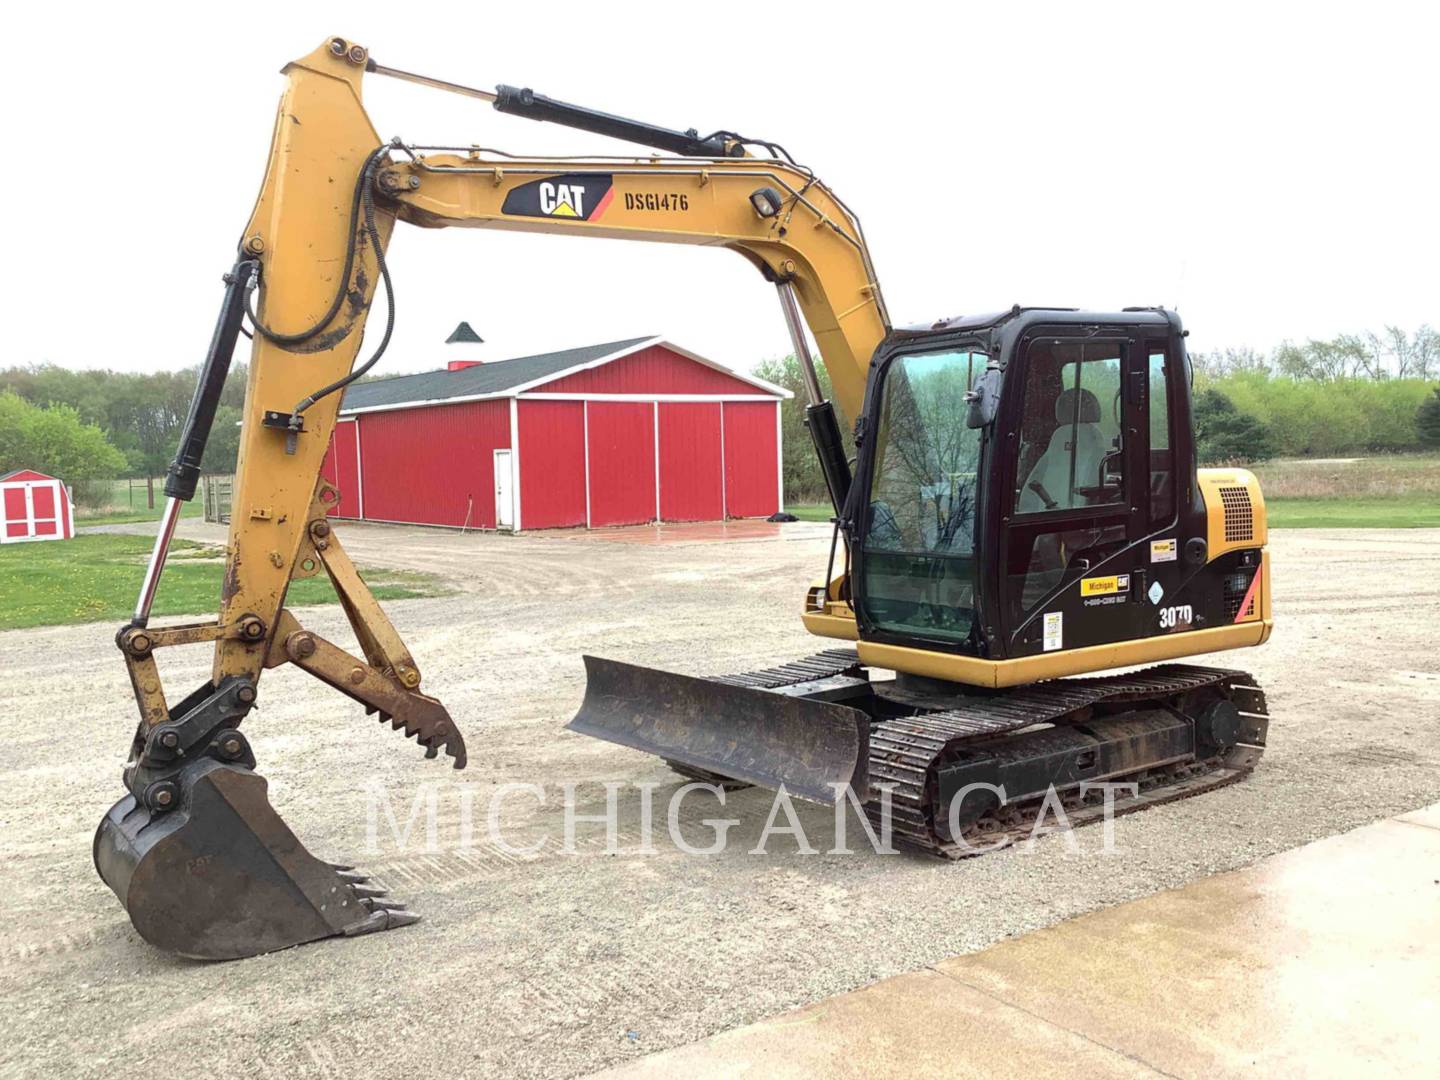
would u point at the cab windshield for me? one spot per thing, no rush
(918, 566)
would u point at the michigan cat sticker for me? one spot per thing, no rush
(1105, 586)
(571, 196)
(1103, 591)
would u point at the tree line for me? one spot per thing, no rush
(1352, 394)
(90, 427)
(1393, 354)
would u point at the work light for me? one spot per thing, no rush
(766, 201)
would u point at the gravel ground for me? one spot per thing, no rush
(555, 963)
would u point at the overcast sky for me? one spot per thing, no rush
(1271, 173)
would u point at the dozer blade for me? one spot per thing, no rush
(221, 876)
(756, 736)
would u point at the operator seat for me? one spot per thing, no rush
(1052, 471)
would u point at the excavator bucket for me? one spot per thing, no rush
(220, 876)
(814, 749)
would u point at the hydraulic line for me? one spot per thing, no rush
(368, 199)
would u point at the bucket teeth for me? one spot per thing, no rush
(374, 903)
(382, 919)
(380, 912)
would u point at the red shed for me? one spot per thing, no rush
(34, 506)
(621, 433)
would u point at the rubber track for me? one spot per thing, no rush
(820, 666)
(904, 750)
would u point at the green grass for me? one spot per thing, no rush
(812, 511)
(1292, 513)
(130, 517)
(96, 578)
(126, 505)
(1378, 477)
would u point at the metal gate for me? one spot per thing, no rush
(216, 495)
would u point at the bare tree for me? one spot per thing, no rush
(1393, 348)
(1425, 353)
(1348, 356)
(1229, 361)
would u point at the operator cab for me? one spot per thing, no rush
(1008, 464)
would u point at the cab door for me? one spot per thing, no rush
(1076, 505)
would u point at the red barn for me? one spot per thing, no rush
(616, 434)
(34, 506)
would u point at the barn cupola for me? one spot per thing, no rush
(464, 348)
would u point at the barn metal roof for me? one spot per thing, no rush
(504, 378)
(491, 377)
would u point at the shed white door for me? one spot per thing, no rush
(504, 491)
(33, 510)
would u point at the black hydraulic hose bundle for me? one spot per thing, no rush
(362, 207)
(183, 476)
(367, 198)
(356, 203)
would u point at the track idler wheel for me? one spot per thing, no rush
(214, 874)
(1217, 728)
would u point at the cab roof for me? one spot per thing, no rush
(1017, 318)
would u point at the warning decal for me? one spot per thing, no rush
(1054, 630)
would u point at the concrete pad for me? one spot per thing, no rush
(922, 1023)
(1324, 960)
(1429, 816)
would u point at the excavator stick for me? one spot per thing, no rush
(197, 855)
(814, 749)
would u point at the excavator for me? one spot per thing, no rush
(1022, 511)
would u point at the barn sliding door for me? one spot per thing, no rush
(752, 456)
(692, 467)
(621, 443)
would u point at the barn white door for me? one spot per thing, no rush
(504, 491)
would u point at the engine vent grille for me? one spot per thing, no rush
(1239, 515)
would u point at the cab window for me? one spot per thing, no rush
(1070, 465)
(1070, 430)
(918, 568)
(1162, 454)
